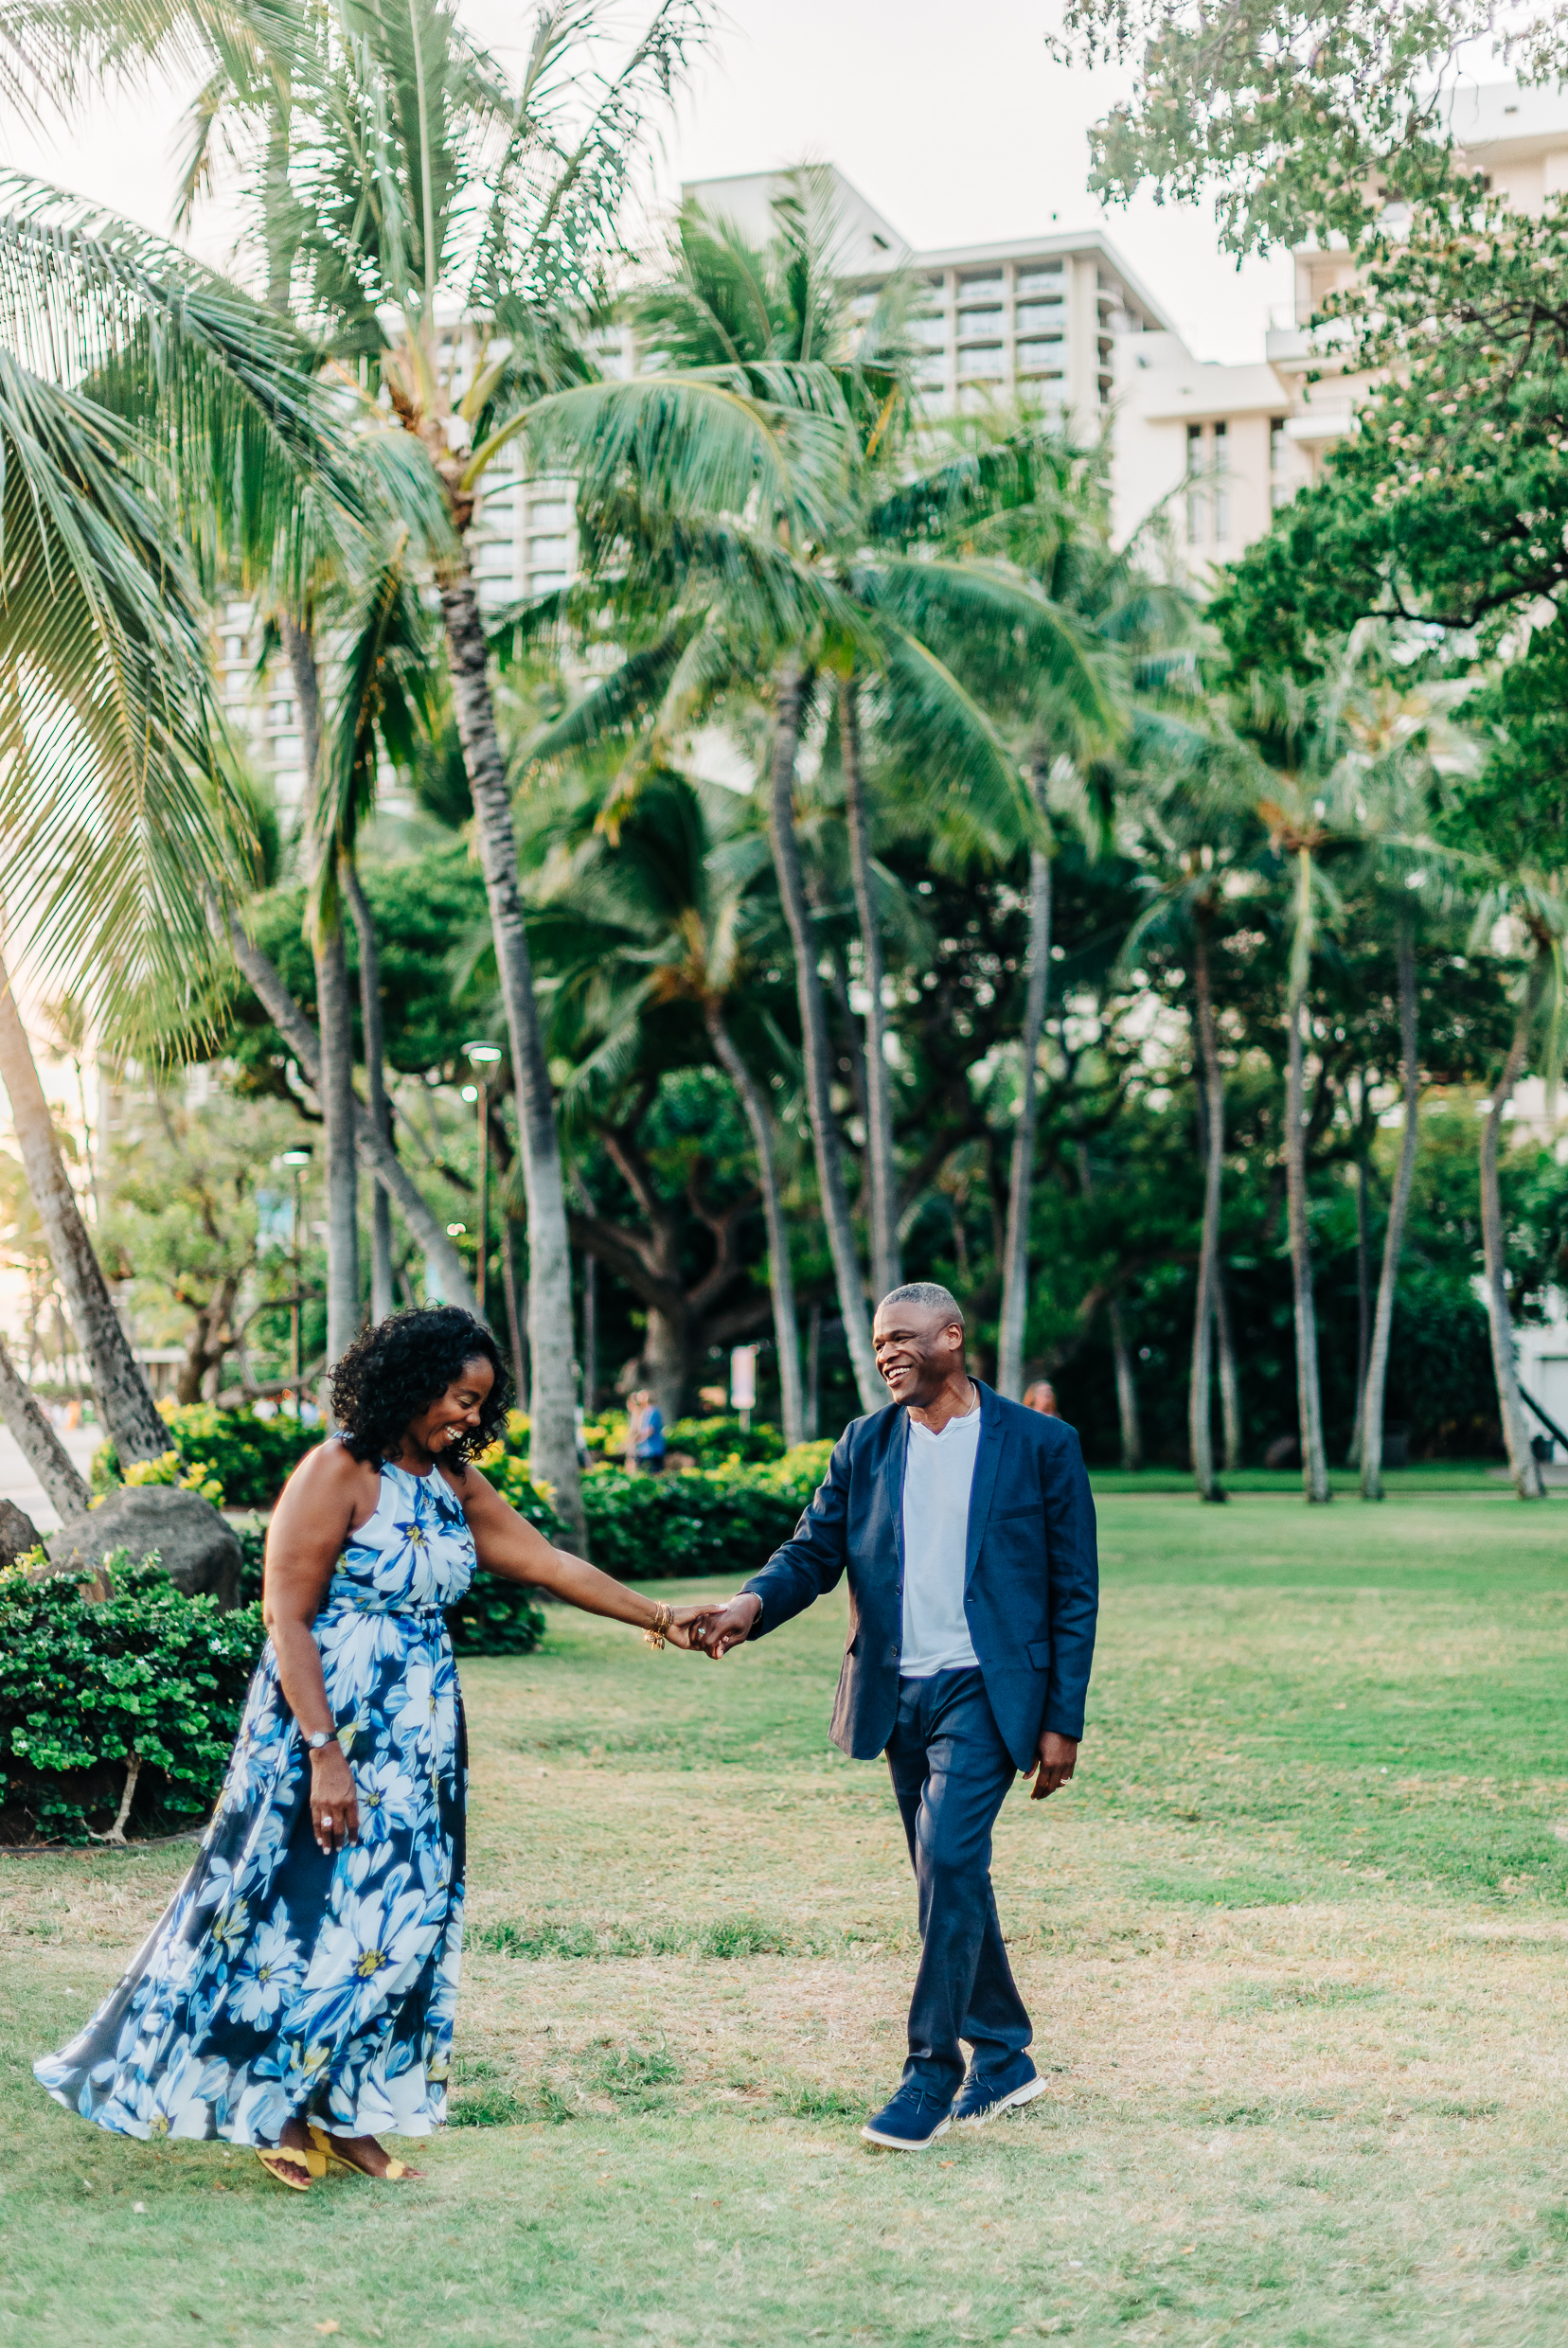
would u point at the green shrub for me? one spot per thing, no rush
(712, 1441)
(647, 1528)
(83, 1686)
(250, 1458)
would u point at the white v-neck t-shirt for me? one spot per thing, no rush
(938, 1472)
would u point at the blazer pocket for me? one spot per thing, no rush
(1015, 1516)
(1039, 1653)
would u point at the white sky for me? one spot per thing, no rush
(953, 123)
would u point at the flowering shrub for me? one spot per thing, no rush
(249, 1458)
(188, 1475)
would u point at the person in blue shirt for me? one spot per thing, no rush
(648, 1435)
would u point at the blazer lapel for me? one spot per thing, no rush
(988, 1459)
(893, 1482)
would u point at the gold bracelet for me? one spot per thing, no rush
(664, 1617)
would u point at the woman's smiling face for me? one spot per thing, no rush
(456, 1413)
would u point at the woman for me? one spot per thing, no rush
(297, 1994)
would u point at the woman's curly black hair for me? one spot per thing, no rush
(392, 1372)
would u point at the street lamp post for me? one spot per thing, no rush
(482, 1059)
(296, 1159)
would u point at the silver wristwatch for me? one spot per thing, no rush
(321, 1736)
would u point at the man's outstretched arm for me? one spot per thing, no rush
(798, 1572)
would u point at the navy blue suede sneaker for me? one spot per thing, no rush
(985, 2095)
(911, 2122)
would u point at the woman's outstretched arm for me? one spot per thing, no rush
(507, 1545)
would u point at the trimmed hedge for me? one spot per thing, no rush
(85, 1685)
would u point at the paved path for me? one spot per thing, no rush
(18, 1483)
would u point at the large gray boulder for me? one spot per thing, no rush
(200, 1552)
(18, 1533)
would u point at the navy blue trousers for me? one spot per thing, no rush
(951, 1774)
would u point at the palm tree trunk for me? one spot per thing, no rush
(516, 1313)
(1516, 1432)
(120, 1386)
(1206, 1310)
(1388, 1281)
(781, 1276)
(1015, 1255)
(335, 1018)
(1230, 1378)
(552, 1403)
(373, 1030)
(590, 1336)
(1127, 1390)
(1314, 1465)
(813, 1374)
(45, 1453)
(887, 1272)
(791, 693)
(380, 1157)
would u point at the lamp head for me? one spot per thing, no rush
(482, 1055)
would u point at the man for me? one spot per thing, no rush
(967, 1531)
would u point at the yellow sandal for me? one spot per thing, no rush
(277, 2158)
(327, 2152)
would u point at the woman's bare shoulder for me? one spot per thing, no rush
(330, 1470)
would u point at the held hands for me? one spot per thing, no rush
(723, 1622)
(1058, 1758)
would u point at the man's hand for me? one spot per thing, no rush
(729, 1624)
(1058, 1760)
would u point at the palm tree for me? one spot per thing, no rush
(1535, 904)
(746, 524)
(1195, 817)
(115, 820)
(630, 931)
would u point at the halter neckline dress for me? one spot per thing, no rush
(283, 1980)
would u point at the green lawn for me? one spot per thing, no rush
(1295, 1944)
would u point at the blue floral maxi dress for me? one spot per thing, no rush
(283, 1979)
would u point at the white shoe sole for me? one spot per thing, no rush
(1021, 2095)
(903, 2143)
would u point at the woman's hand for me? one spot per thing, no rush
(334, 1805)
(684, 1621)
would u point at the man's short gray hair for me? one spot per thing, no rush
(928, 1294)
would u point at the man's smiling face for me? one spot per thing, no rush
(917, 1348)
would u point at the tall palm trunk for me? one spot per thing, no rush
(1516, 1432)
(380, 1157)
(38, 1444)
(552, 1403)
(1314, 1465)
(372, 1028)
(1230, 1377)
(1128, 1418)
(335, 1018)
(1206, 1307)
(1388, 1281)
(887, 1272)
(780, 1277)
(120, 1386)
(790, 694)
(1015, 1252)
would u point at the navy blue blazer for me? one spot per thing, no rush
(1031, 1575)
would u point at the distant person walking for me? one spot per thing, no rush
(298, 1995)
(1041, 1396)
(967, 1529)
(645, 1436)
